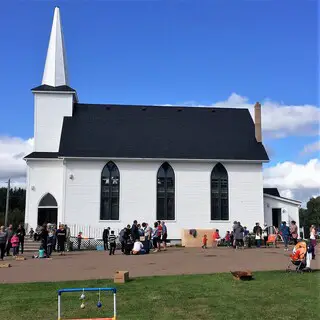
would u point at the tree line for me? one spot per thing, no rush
(16, 206)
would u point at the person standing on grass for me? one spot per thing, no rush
(156, 237)
(68, 236)
(15, 244)
(141, 231)
(238, 234)
(164, 235)
(135, 231)
(257, 230)
(294, 232)
(235, 225)
(285, 232)
(50, 242)
(105, 236)
(265, 234)
(123, 238)
(37, 234)
(44, 237)
(79, 239)
(204, 241)
(21, 232)
(112, 243)
(313, 241)
(148, 234)
(9, 232)
(3, 242)
(54, 240)
(61, 239)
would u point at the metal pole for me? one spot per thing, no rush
(59, 306)
(114, 306)
(7, 205)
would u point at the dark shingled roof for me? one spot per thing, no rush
(123, 131)
(45, 87)
(42, 155)
(271, 192)
(274, 192)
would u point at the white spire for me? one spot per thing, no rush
(55, 70)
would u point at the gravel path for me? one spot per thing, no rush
(99, 265)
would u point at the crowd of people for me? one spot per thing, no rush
(141, 238)
(138, 238)
(11, 239)
(53, 239)
(241, 237)
(50, 237)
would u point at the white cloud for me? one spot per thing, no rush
(312, 147)
(295, 181)
(278, 120)
(12, 165)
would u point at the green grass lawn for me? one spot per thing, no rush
(272, 295)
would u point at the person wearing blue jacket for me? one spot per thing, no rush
(285, 232)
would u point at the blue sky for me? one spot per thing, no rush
(168, 52)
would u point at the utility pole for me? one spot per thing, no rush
(7, 205)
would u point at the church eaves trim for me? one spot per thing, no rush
(45, 87)
(42, 155)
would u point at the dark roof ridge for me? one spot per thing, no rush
(157, 106)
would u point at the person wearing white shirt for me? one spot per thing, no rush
(313, 241)
(137, 247)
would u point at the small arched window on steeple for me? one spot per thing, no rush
(165, 193)
(110, 190)
(219, 193)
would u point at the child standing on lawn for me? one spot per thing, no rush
(204, 242)
(112, 243)
(50, 243)
(15, 244)
(227, 238)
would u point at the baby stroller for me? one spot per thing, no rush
(300, 258)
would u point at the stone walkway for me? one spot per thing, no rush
(99, 265)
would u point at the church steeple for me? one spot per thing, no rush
(55, 71)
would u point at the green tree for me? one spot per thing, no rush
(310, 215)
(16, 206)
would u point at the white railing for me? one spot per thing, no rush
(88, 231)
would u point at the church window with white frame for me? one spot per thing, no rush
(110, 191)
(165, 193)
(219, 193)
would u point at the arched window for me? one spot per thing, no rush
(48, 200)
(47, 210)
(110, 189)
(165, 193)
(219, 193)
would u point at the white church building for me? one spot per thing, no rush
(107, 165)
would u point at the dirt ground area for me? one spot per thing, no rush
(85, 265)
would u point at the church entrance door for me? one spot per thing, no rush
(276, 217)
(47, 210)
(47, 215)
